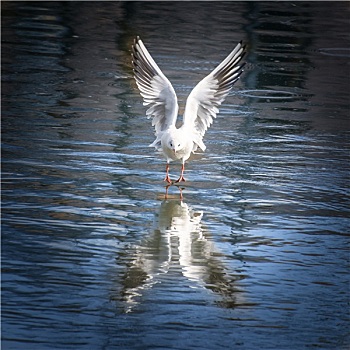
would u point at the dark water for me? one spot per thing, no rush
(256, 256)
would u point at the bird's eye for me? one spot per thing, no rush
(171, 144)
(178, 145)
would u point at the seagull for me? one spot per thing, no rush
(201, 108)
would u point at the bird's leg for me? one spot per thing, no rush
(181, 178)
(167, 178)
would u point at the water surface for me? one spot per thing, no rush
(254, 256)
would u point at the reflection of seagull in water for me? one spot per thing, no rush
(201, 108)
(177, 243)
(181, 224)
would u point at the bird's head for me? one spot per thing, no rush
(175, 144)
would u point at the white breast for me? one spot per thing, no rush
(183, 153)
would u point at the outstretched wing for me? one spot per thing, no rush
(204, 101)
(155, 88)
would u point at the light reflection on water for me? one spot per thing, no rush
(254, 256)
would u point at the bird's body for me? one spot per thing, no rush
(177, 144)
(201, 106)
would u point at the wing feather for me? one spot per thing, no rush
(155, 88)
(203, 103)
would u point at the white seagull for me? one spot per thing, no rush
(201, 105)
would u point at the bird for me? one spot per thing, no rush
(202, 104)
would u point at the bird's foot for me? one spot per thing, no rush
(180, 179)
(167, 179)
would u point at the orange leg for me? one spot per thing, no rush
(181, 178)
(167, 178)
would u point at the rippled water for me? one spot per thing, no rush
(255, 256)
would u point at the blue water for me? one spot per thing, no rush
(254, 256)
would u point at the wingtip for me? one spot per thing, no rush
(136, 40)
(243, 46)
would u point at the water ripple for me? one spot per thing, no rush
(100, 254)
